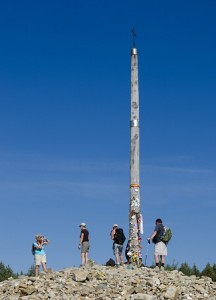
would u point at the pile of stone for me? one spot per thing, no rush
(105, 283)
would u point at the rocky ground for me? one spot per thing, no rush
(103, 283)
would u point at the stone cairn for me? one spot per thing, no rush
(104, 283)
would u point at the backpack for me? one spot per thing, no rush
(33, 249)
(119, 237)
(110, 263)
(167, 234)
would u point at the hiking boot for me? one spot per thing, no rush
(156, 268)
(117, 265)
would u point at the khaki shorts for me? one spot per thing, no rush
(160, 249)
(39, 259)
(85, 247)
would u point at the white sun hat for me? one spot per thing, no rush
(82, 224)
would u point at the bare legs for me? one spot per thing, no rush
(37, 269)
(118, 254)
(162, 260)
(84, 257)
(119, 258)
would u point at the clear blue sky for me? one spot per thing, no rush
(65, 125)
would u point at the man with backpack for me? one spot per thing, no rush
(160, 246)
(118, 237)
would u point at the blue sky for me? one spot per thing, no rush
(65, 125)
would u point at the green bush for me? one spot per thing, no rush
(173, 266)
(209, 271)
(6, 272)
(31, 271)
(186, 269)
(195, 271)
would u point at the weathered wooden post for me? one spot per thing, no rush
(135, 216)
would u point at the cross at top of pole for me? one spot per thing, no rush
(134, 37)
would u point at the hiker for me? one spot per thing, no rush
(118, 237)
(39, 253)
(160, 246)
(84, 244)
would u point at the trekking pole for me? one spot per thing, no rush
(147, 249)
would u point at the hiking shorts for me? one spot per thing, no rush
(160, 248)
(117, 249)
(39, 259)
(85, 247)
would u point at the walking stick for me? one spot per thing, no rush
(147, 249)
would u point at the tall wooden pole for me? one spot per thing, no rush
(135, 216)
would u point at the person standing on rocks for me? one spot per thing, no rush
(118, 237)
(160, 247)
(84, 244)
(39, 253)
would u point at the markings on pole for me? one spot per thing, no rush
(134, 185)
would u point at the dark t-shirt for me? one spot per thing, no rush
(86, 235)
(160, 230)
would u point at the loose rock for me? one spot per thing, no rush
(99, 282)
